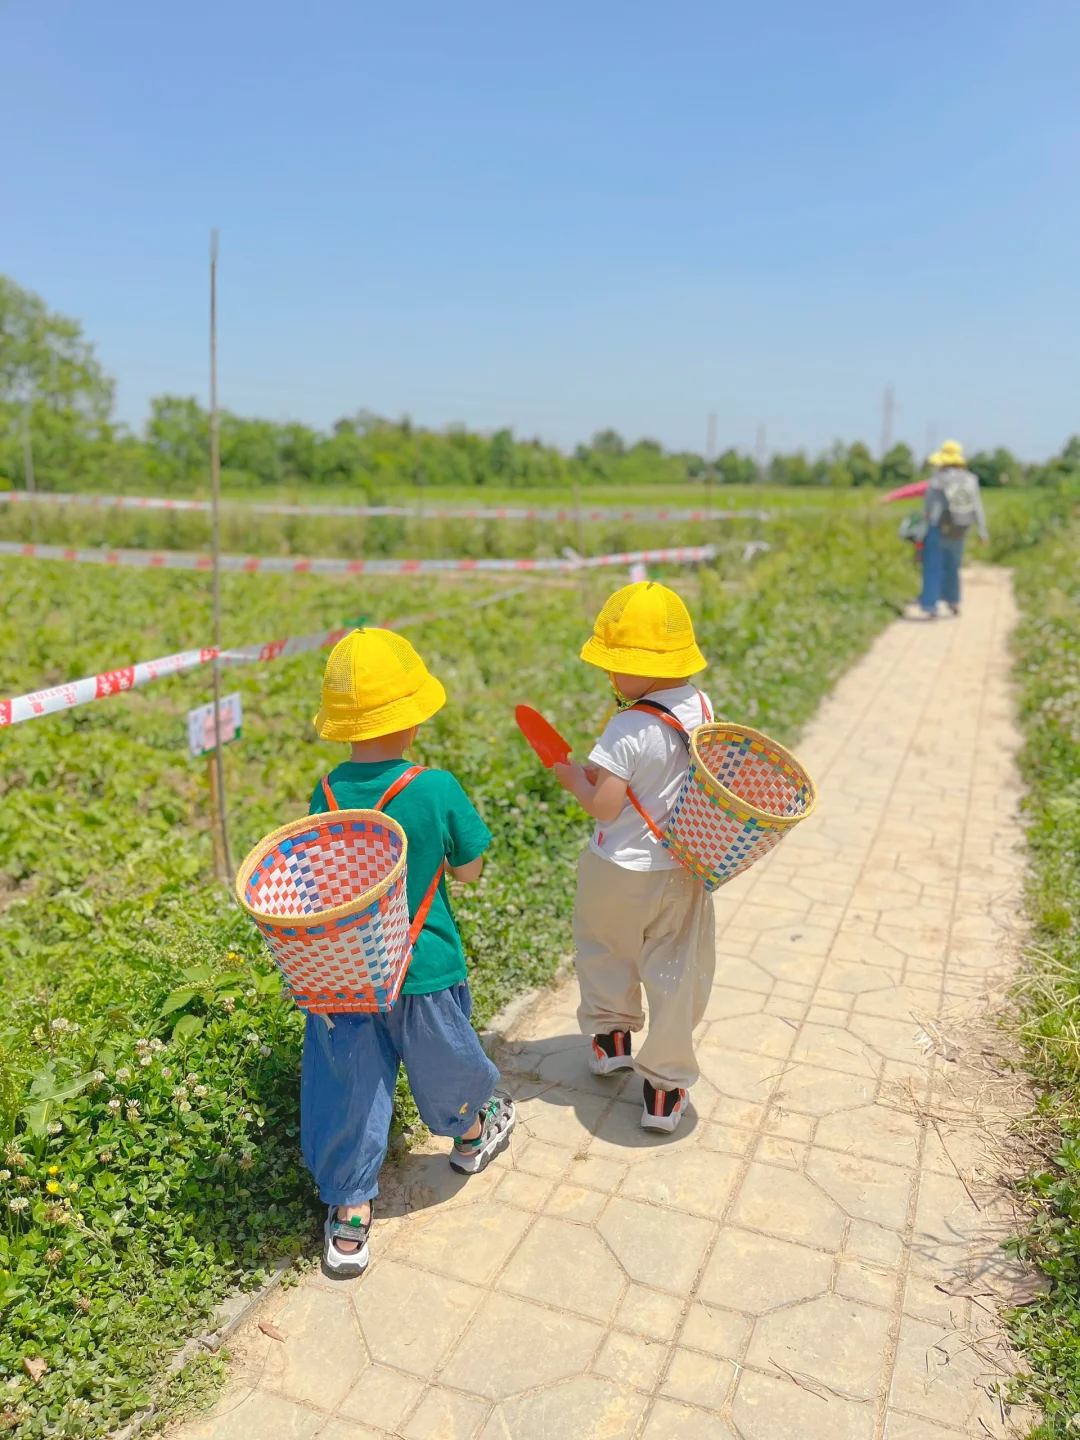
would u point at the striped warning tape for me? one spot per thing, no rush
(129, 677)
(336, 565)
(423, 512)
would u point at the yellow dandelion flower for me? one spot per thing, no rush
(53, 1188)
(54, 1170)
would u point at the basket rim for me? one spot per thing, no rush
(731, 727)
(299, 827)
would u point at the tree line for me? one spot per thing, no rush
(56, 416)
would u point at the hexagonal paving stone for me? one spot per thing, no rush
(810, 1090)
(322, 1356)
(564, 1265)
(515, 1346)
(444, 1415)
(698, 1379)
(584, 1409)
(767, 1408)
(746, 1077)
(716, 1331)
(570, 1069)
(835, 1049)
(697, 1181)
(469, 1242)
(872, 1131)
(785, 1204)
(837, 1342)
(754, 1273)
(409, 1318)
(939, 1376)
(661, 1248)
(891, 1039)
(381, 1398)
(631, 1360)
(757, 1034)
(865, 1189)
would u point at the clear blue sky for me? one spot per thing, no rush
(562, 216)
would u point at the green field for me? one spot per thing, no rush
(148, 1167)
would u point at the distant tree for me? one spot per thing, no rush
(609, 442)
(177, 439)
(50, 375)
(999, 468)
(897, 467)
(735, 469)
(862, 465)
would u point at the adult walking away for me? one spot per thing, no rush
(951, 506)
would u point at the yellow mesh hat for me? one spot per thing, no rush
(375, 684)
(645, 629)
(951, 453)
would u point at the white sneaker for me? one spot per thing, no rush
(915, 611)
(610, 1053)
(663, 1109)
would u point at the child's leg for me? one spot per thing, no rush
(677, 966)
(611, 909)
(451, 1078)
(346, 1100)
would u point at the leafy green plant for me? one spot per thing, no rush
(1047, 648)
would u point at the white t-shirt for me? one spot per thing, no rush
(645, 750)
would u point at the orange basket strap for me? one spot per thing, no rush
(331, 802)
(706, 714)
(405, 778)
(647, 818)
(425, 905)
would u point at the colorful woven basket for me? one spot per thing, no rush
(328, 893)
(742, 794)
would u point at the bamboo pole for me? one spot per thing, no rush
(222, 857)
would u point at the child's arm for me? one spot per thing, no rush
(599, 793)
(467, 873)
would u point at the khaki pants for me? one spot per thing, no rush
(651, 928)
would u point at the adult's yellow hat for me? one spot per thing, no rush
(645, 629)
(375, 684)
(951, 453)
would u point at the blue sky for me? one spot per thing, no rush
(564, 216)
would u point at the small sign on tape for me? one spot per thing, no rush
(200, 724)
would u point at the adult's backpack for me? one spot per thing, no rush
(961, 491)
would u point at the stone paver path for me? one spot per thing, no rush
(815, 1254)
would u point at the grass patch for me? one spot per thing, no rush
(1047, 646)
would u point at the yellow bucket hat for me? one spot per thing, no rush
(951, 453)
(645, 629)
(375, 684)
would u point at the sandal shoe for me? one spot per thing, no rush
(345, 1264)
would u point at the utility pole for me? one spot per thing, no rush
(887, 405)
(220, 816)
(761, 451)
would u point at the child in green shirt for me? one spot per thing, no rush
(376, 692)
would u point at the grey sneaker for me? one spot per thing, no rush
(499, 1119)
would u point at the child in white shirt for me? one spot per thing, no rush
(640, 919)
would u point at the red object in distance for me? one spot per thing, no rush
(906, 492)
(542, 736)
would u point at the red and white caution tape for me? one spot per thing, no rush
(335, 565)
(444, 512)
(112, 682)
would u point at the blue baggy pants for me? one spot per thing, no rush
(348, 1077)
(941, 562)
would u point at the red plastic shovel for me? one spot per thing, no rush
(542, 736)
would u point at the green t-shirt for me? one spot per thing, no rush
(440, 822)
